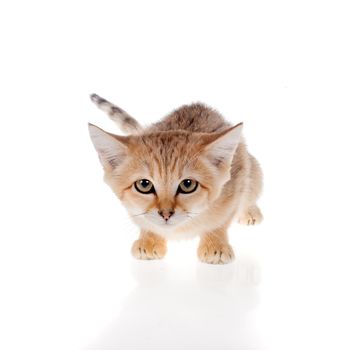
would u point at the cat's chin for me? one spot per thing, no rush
(167, 224)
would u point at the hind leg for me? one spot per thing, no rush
(251, 216)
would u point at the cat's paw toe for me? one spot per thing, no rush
(215, 253)
(252, 216)
(148, 249)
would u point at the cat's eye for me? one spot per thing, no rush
(187, 186)
(144, 186)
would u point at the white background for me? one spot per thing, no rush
(67, 278)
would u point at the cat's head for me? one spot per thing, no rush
(166, 178)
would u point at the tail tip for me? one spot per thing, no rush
(95, 98)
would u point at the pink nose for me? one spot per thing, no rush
(166, 213)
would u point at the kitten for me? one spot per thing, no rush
(189, 174)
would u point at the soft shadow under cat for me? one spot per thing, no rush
(170, 310)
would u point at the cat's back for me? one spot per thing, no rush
(196, 117)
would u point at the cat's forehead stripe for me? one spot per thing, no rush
(166, 153)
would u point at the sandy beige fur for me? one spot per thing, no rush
(193, 142)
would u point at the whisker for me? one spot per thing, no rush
(190, 217)
(139, 214)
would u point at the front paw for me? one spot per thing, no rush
(215, 252)
(149, 248)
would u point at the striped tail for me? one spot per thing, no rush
(126, 123)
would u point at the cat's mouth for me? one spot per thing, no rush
(175, 220)
(152, 218)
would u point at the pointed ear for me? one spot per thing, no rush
(112, 149)
(221, 147)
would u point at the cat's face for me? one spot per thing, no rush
(167, 178)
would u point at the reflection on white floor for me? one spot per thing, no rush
(211, 307)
